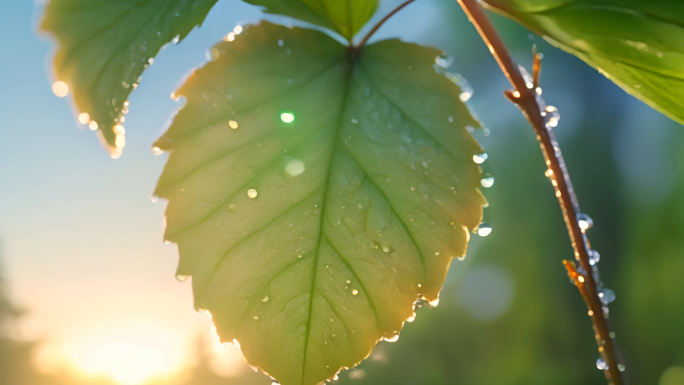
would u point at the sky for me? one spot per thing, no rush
(80, 238)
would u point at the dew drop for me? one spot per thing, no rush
(60, 89)
(157, 151)
(359, 206)
(230, 36)
(252, 193)
(585, 221)
(238, 29)
(233, 124)
(281, 42)
(119, 129)
(594, 257)
(386, 248)
(606, 296)
(256, 317)
(487, 181)
(444, 60)
(299, 256)
(450, 119)
(355, 292)
(479, 159)
(621, 367)
(92, 125)
(232, 207)
(601, 365)
(548, 173)
(182, 278)
(354, 120)
(265, 299)
(295, 167)
(484, 229)
(393, 338)
(84, 118)
(552, 116)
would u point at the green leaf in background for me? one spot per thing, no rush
(315, 196)
(638, 44)
(345, 17)
(104, 46)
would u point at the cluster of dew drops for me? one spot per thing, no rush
(442, 63)
(605, 295)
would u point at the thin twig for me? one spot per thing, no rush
(525, 96)
(354, 49)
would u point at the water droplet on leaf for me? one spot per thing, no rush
(479, 159)
(484, 229)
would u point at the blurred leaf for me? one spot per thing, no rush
(104, 46)
(637, 44)
(345, 17)
(314, 196)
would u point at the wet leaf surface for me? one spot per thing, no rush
(315, 195)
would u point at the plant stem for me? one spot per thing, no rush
(379, 24)
(525, 97)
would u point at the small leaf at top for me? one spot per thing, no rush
(104, 46)
(638, 44)
(345, 17)
(316, 196)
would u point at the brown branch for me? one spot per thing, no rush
(355, 48)
(526, 98)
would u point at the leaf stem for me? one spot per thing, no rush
(586, 277)
(355, 48)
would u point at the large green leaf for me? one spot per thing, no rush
(315, 195)
(345, 17)
(638, 44)
(104, 46)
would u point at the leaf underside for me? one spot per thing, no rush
(637, 44)
(104, 46)
(315, 198)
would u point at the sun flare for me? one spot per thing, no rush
(128, 364)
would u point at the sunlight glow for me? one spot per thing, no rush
(128, 364)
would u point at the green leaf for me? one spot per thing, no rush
(637, 44)
(104, 46)
(345, 17)
(316, 196)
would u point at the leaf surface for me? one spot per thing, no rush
(345, 17)
(315, 197)
(637, 44)
(104, 46)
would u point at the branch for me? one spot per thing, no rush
(526, 98)
(355, 48)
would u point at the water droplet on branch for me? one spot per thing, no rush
(585, 222)
(601, 365)
(606, 295)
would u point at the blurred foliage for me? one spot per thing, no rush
(637, 44)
